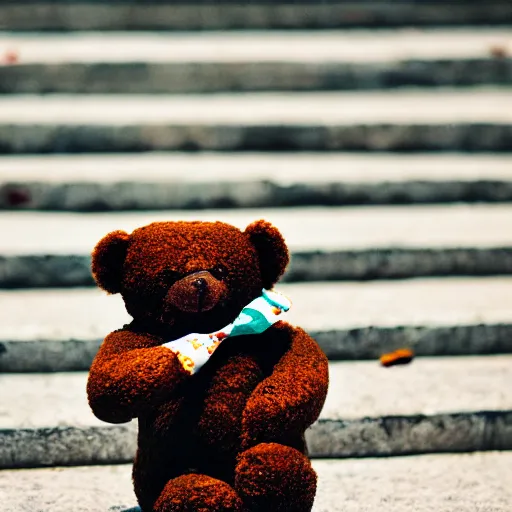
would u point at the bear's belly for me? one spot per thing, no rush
(205, 414)
(197, 430)
(220, 424)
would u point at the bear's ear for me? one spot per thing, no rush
(272, 251)
(108, 259)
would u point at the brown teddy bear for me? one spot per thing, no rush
(228, 436)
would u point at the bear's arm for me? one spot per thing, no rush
(291, 398)
(130, 372)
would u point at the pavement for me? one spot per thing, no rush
(255, 46)
(61, 330)
(476, 482)
(111, 15)
(174, 168)
(328, 229)
(397, 120)
(431, 405)
(52, 249)
(398, 107)
(163, 181)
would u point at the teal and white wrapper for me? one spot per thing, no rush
(194, 350)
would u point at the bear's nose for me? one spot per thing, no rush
(196, 293)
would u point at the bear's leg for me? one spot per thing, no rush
(271, 477)
(198, 493)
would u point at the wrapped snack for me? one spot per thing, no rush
(195, 349)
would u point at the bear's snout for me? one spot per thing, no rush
(196, 292)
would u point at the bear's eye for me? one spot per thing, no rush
(219, 272)
(169, 277)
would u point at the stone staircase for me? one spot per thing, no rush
(383, 152)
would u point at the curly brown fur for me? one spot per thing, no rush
(271, 477)
(230, 437)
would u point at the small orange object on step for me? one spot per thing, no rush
(11, 57)
(400, 356)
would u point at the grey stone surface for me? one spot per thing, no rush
(433, 405)
(365, 437)
(428, 386)
(159, 78)
(396, 435)
(66, 446)
(74, 270)
(126, 196)
(89, 314)
(80, 489)
(326, 109)
(312, 15)
(217, 180)
(55, 138)
(252, 61)
(399, 263)
(53, 355)
(283, 169)
(305, 229)
(56, 336)
(64, 355)
(327, 244)
(444, 483)
(253, 47)
(371, 342)
(407, 121)
(210, 180)
(359, 389)
(237, 47)
(45, 271)
(476, 482)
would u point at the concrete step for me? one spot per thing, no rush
(253, 61)
(156, 15)
(420, 483)
(405, 120)
(52, 249)
(364, 46)
(432, 405)
(61, 330)
(153, 181)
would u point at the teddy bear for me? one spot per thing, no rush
(225, 432)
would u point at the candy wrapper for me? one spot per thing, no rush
(194, 350)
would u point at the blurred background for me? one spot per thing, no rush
(376, 135)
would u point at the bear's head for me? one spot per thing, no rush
(189, 276)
